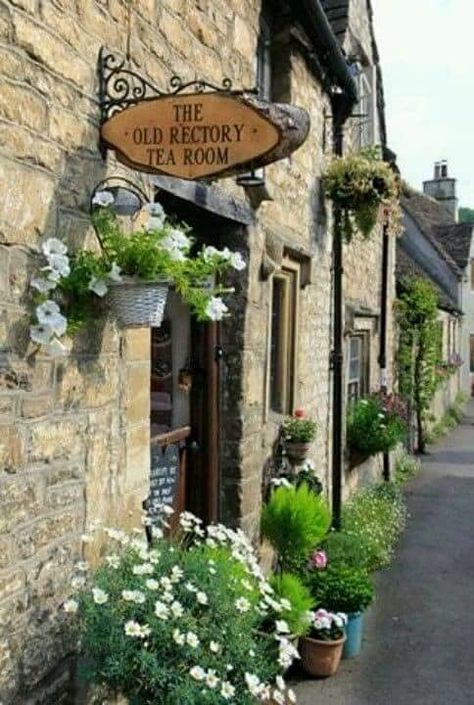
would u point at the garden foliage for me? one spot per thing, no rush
(376, 424)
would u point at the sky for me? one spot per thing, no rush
(426, 51)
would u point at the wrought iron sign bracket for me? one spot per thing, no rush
(121, 87)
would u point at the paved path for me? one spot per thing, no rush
(419, 645)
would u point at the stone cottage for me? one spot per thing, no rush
(76, 431)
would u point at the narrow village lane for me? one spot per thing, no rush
(418, 648)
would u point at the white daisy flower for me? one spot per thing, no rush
(134, 596)
(242, 604)
(212, 681)
(215, 647)
(202, 598)
(282, 626)
(178, 637)
(177, 609)
(71, 606)
(161, 610)
(143, 569)
(227, 690)
(113, 560)
(197, 673)
(192, 640)
(100, 596)
(152, 584)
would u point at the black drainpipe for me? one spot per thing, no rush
(383, 333)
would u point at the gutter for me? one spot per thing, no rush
(330, 54)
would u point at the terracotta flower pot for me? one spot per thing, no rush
(321, 658)
(297, 452)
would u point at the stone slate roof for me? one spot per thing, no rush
(456, 240)
(431, 218)
(337, 12)
(407, 267)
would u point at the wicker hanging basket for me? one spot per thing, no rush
(137, 303)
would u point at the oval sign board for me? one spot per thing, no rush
(190, 136)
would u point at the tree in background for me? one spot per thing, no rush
(466, 215)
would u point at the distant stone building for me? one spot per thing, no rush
(75, 432)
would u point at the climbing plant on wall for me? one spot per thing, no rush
(419, 349)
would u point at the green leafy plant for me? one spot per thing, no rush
(68, 286)
(375, 517)
(406, 467)
(294, 520)
(343, 549)
(179, 622)
(418, 350)
(297, 429)
(290, 589)
(341, 588)
(359, 184)
(374, 426)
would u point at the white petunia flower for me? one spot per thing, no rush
(58, 266)
(53, 246)
(41, 334)
(49, 314)
(115, 273)
(55, 348)
(71, 606)
(212, 681)
(98, 286)
(42, 285)
(152, 584)
(100, 596)
(216, 309)
(242, 604)
(161, 610)
(103, 198)
(237, 261)
(202, 598)
(227, 690)
(209, 252)
(197, 673)
(192, 640)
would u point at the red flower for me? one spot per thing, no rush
(299, 413)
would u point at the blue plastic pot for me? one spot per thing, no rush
(354, 631)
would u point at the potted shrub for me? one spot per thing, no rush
(344, 589)
(294, 520)
(321, 649)
(178, 621)
(134, 270)
(376, 424)
(298, 434)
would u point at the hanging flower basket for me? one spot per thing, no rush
(137, 303)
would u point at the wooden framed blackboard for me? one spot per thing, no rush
(164, 475)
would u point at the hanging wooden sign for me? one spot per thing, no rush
(197, 135)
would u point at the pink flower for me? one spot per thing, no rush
(299, 413)
(319, 560)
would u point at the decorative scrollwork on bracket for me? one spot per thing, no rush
(121, 87)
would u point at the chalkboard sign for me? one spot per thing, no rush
(164, 475)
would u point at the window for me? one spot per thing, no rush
(283, 332)
(471, 364)
(365, 119)
(358, 366)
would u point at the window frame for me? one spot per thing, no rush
(363, 379)
(290, 274)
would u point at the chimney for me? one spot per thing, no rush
(443, 188)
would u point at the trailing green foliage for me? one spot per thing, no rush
(340, 588)
(449, 421)
(376, 517)
(360, 183)
(294, 520)
(419, 349)
(373, 427)
(291, 588)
